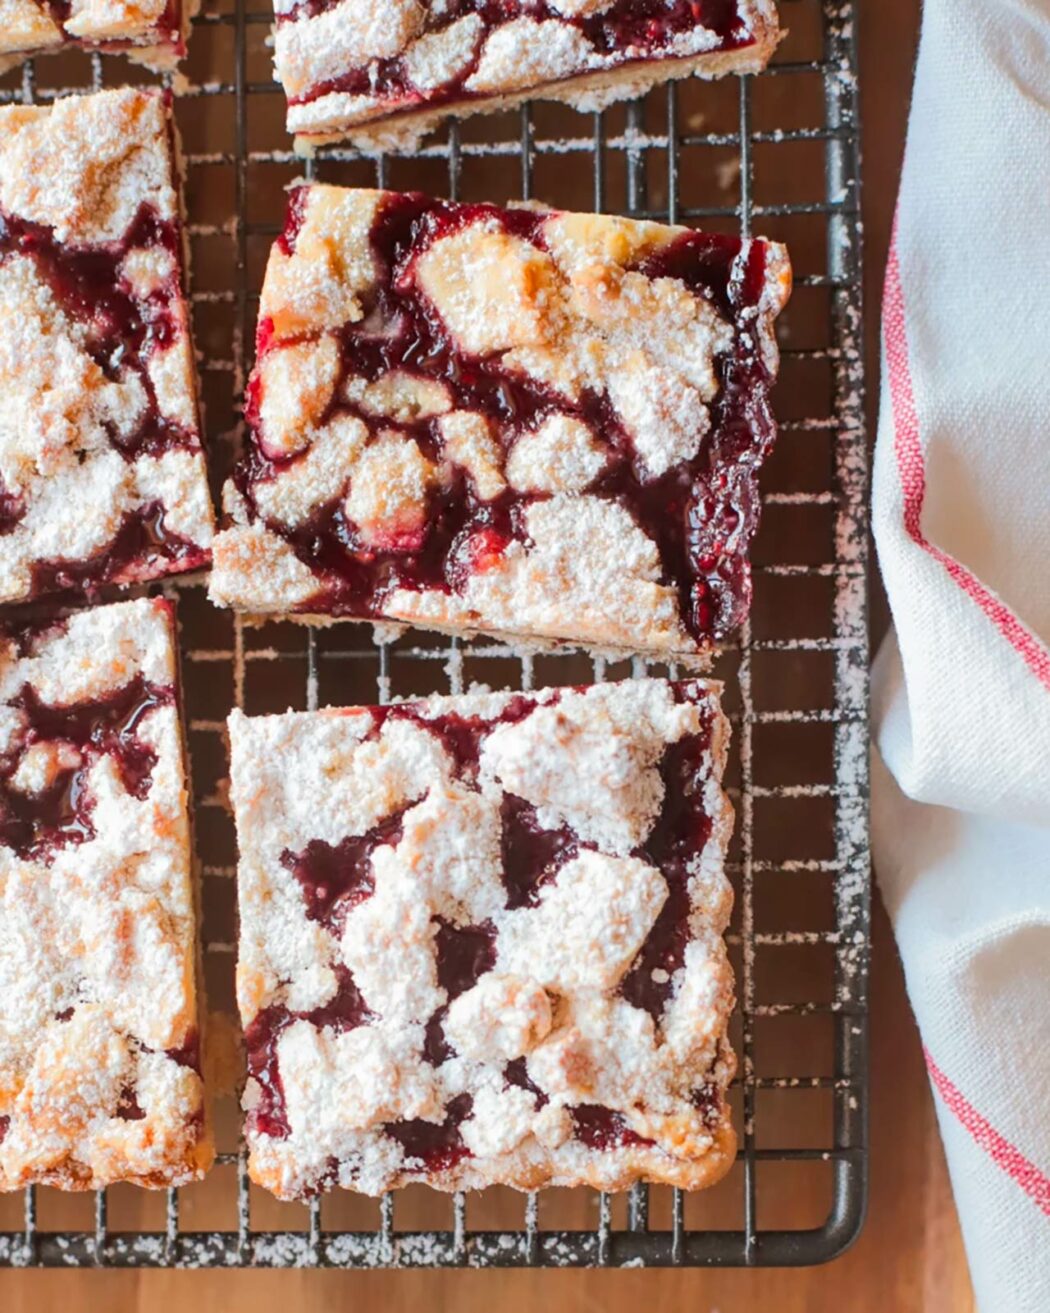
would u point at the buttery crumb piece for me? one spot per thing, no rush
(481, 941)
(526, 423)
(100, 1063)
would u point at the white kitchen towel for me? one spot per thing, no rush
(961, 705)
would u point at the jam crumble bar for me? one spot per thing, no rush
(384, 72)
(151, 32)
(481, 940)
(102, 476)
(513, 421)
(99, 1054)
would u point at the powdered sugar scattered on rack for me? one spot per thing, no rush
(261, 667)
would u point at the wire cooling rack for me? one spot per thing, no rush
(777, 155)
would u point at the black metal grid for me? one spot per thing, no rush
(796, 679)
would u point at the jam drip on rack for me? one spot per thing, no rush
(627, 32)
(35, 825)
(701, 514)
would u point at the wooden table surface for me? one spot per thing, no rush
(909, 1256)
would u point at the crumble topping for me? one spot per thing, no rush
(493, 290)
(562, 455)
(99, 1051)
(469, 441)
(385, 71)
(317, 48)
(454, 968)
(441, 56)
(102, 477)
(549, 425)
(524, 53)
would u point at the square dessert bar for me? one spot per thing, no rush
(100, 1073)
(151, 32)
(481, 941)
(102, 476)
(520, 422)
(383, 72)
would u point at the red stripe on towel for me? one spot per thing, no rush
(907, 445)
(1032, 1181)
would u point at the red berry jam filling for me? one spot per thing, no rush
(680, 833)
(629, 31)
(336, 877)
(35, 825)
(701, 514)
(517, 1073)
(188, 1054)
(464, 954)
(461, 736)
(122, 329)
(602, 1128)
(128, 1107)
(12, 509)
(532, 855)
(435, 1146)
(707, 1100)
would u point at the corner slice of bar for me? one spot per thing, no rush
(481, 941)
(100, 1071)
(102, 475)
(150, 32)
(526, 423)
(384, 72)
